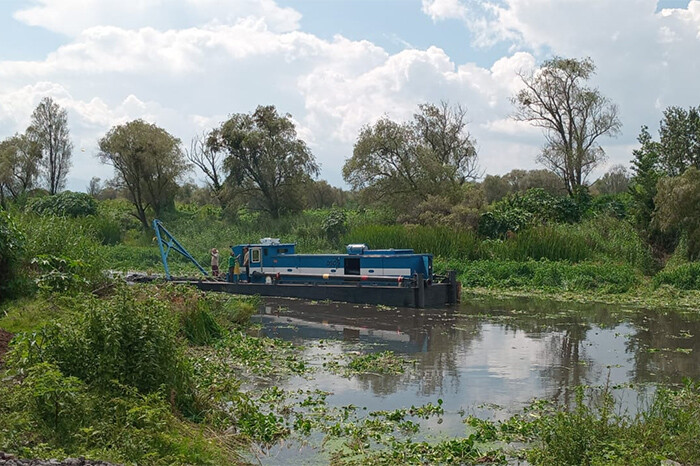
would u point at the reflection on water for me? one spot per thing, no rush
(501, 353)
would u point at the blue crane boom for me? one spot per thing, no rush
(173, 244)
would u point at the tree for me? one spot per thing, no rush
(679, 144)
(518, 181)
(615, 181)
(406, 163)
(678, 207)
(211, 162)
(148, 162)
(49, 129)
(19, 166)
(321, 195)
(266, 161)
(646, 172)
(94, 187)
(572, 116)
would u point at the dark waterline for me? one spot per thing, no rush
(489, 358)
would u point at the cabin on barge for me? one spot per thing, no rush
(392, 277)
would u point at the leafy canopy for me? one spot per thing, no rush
(268, 164)
(407, 162)
(148, 162)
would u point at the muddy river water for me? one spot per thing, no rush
(486, 358)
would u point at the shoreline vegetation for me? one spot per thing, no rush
(158, 374)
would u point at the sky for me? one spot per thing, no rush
(335, 66)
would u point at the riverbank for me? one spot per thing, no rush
(239, 392)
(663, 298)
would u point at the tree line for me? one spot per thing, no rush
(427, 166)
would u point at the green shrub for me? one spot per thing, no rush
(133, 342)
(548, 275)
(335, 224)
(64, 253)
(593, 433)
(11, 251)
(67, 203)
(47, 414)
(536, 206)
(685, 276)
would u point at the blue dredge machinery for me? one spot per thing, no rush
(392, 277)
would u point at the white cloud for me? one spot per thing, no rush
(185, 66)
(444, 9)
(72, 17)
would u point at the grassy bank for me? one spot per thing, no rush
(155, 375)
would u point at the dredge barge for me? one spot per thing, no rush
(391, 277)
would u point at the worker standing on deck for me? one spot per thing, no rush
(232, 265)
(215, 262)
(246, 263)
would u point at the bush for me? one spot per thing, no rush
(548, 275)
(11, 249)
(67, 204)
(124, 340)
(685, 276)
(64, 253)
(50, 415)
(593, 433)
(534, 207)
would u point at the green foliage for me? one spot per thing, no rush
(497, 187)
(267, 162)
(518, 211)
(572, 115)
(66, 203)
(47, 414)
(335, 224)
(592, 433)
(546, 275)
(148, 162)
(11, 251)
(646, 173)
(20, 157)
(404, 163)
(440, 241)
(133, 342)
(685, 276)
(60, 274)
(49, 130)
(678, 207)
(615, 205)
(679, 140)
(615, 181)
(63, 253)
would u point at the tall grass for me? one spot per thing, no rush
(440, 241)
(601, 239)
(544, 274)
(685, 276)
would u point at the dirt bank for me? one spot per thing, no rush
(10, 460)
(5, 338)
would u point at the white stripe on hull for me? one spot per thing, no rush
(339, 271)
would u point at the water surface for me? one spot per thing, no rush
(487, 358)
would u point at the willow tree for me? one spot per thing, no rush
(20, 157)
(211, 163)
(147, 161)
(49, 129)
(572, 115)
(405, 163)
(266, 161)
